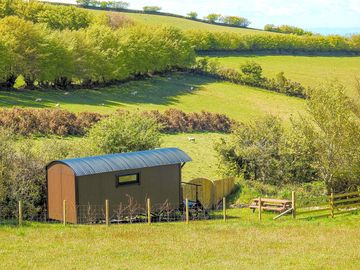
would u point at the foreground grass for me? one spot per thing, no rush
(308, 70)
(242, 243)
(190, 93)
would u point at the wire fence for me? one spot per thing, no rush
(107, 213)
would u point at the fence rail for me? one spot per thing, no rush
(337, 204)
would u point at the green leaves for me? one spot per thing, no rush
(124, 132)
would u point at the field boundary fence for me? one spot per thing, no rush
(334, 204)
(122, 213)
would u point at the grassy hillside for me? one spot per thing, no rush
(243, 243)
(239, 102)
(308, 70)
(185, 24)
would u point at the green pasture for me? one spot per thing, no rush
(185, 24)
(308, 70)
(190, 93)
(241, 243)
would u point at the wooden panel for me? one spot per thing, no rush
(54, 192)
(61, 186)
(68, 192)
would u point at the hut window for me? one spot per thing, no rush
(127, 179)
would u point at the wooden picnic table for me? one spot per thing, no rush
(270, 204)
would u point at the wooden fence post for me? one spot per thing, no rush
(20, 213)
(260, 208)
(107, 212)
(224, 208)
(187, 210)
(293, 203)
(148, 211)
(332, 204)
(64, 212)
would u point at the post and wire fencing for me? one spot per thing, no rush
(121, 213)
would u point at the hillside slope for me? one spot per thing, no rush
(308, 70)
(183, 91)
(184, 24)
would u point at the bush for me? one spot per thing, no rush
(23, 176)
(151, 8)
(287, 29)
(213, 17)
(192, 15)
(237, 21)
(332, 127)
(46, 121)
(264, 152)
(124, 133)
(174, 120)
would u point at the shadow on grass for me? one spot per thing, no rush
(157, 90)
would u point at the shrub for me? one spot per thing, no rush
(287, 29)
(22, 175)
(332, 127)
(237, 21)
(124, 132)
(151, 8)
(174, 120)
(192, 15)
(46, 121)
(213, 17)
(265, 152)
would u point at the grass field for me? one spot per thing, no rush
(185, 24)
(243, 243)
(239, 102)
(308, 70)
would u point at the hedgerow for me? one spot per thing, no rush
(207, 40)
(250, 74)
(63, 123)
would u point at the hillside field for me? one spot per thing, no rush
(185, 24)
(243, 243)
(241, 103)
(308, 70)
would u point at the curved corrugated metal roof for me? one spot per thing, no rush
(125, 161)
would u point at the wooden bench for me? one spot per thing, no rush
(269, 204)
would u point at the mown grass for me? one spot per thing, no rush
(238, 102)
(243, 243)
(308, 70)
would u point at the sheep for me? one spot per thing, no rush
(191, 139)
(57, 105)
(134, 93)
(38, 100)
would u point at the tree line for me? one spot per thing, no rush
(88, 56)
(227, 41)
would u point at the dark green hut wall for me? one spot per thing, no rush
(157, 183)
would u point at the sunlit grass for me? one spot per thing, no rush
(175, 91)
(243, 243)
(308, 70)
